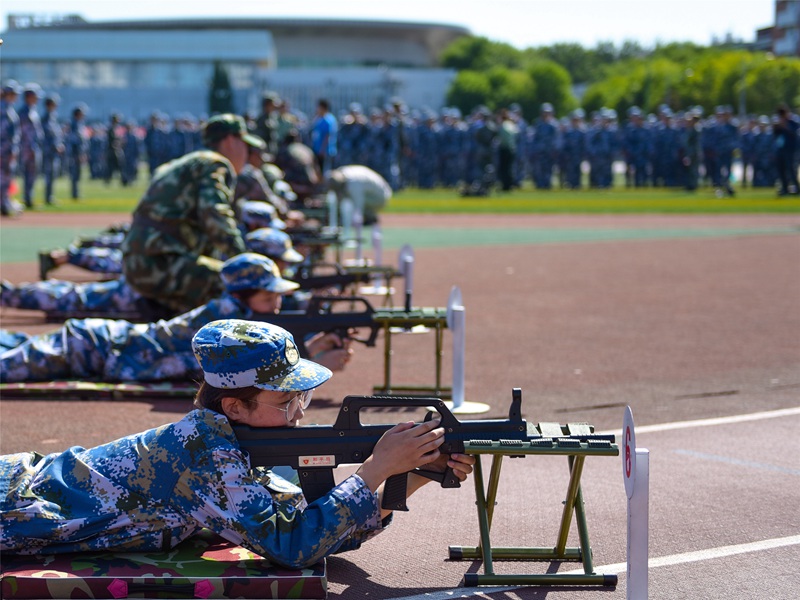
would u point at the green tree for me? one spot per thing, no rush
(220, 96)
(772, 82)
(553, 85)
(468, 90)
(479, 53)
(509, 86)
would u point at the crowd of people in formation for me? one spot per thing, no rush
(474, 152)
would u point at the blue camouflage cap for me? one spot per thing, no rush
(251, 271)
(257, 214)
(275, 244)
(234, 353)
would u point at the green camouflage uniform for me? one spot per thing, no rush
(182, 228)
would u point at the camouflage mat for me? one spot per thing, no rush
(97, 390)
(204, 566)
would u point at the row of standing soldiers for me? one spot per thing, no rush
(417, 148)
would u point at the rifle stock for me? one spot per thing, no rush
(315, 450)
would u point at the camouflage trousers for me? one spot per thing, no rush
(65, 296)
(180, 282)
(95, 258)
(77, 350)
(91, 349)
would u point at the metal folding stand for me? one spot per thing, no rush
(550, 444)
(432, 318)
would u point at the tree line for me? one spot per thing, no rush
(679, 75)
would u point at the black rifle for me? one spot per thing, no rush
(315, 450)
(333, 275)
(324, 314)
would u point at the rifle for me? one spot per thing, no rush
(322, 315)
(315, 450)
(308, 277)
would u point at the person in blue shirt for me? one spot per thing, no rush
(149, 491)
(323, 136)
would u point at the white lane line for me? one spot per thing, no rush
(772, 414)
(618, 568)
(738, 462)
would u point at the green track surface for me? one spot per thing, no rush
(22, 244)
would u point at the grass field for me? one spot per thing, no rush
(99, 197)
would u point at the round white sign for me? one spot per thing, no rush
(628, 451)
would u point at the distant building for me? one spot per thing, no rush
(135, 67)
(786, 32)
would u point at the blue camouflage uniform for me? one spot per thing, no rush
(31, 138)
(428, 152)
(543, 149)
(9, 145)
(97, 152)
(117, 350)
(574, 150)
(636, 147)
(764, 174)
(76, 147)
(52, 147)
(148, 492)
(110, 296)
(156, 143)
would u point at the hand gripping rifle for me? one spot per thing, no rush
(315, 450)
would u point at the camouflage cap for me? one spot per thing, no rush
(220, 126)
(234, 353)
(250, 271)
(272, 243)
(257, 214)
(12, 87)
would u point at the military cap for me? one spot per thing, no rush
(80, 107)
(578, 113)
(547, 107)
(355, 107)
(251, 271)
(223, 125)
(11, 87)
(271, 97)
(273, 243)
(634, 111)
(52, 98)
(234, 353)
(257, 214)
(32, 89)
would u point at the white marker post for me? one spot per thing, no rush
(377, 244)
(407, 269)
(379, 286)
(456, 322)
(358, 224)
(636, 473)
(346, 208)
(333, 210)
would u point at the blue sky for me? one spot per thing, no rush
(521, 23)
